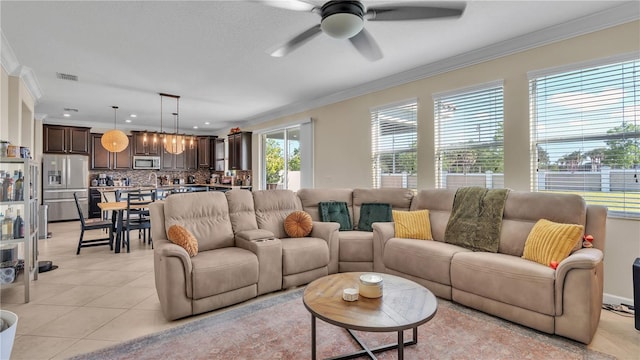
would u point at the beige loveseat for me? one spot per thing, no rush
(244, 252)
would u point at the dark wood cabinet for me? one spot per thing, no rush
(207, 151)
(219, 154)
(65, 140)
(124, 158)
(240, 151)
(101, 159)
(191, 157)
(143, 144)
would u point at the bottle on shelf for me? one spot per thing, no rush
(7, 188)
(7, 225)
(18, 226)
(18, 187)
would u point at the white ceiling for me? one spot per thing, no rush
(213, 54)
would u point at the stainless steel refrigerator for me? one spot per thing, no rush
(62, 175)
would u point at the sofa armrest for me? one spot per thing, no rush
(329, 232)
(587, 259)
(254, 235)
(382, 232)
(269, 253)
(172, 268)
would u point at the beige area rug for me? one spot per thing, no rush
(280, 328)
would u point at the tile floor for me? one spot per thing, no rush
(99, 298)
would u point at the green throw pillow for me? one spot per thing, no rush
(335, 211)
(373, 212)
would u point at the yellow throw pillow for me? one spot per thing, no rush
(298, 224)
(412, 224)
(550, 241)
(183, 237)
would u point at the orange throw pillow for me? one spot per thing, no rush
(298, 224)
(183, 237)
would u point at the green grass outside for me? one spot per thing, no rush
(612, 200)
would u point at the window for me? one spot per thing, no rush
(585, 134)
(469, 131)
(393, 146)
(287, 157)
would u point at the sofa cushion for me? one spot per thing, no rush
(439, 202)
(303, 254)
(523, 209)
(505, 278)
(373, 212)
(429, 260)
(400, 199)
(222, 270)
(412, 224)
(298, 224)
(205, 214)
(272, 207)
(549, 241)
(241, 211)
(335, 211)
(355, 246)
(184, 238)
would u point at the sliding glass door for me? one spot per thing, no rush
(282, 160)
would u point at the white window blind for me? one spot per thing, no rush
(393, 145)
(585, 134)
(469, 143)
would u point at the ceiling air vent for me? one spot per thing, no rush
(70, 109)
(69, 77)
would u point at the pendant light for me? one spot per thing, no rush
(114, 140)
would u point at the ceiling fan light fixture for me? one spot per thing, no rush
(342, 19)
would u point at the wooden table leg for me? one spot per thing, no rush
(400, 345)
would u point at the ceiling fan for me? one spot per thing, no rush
(345, 20)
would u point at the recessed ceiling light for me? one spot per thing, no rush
(133, 115)
(128, 121)
(195, 126)
(66, 115)
(207, 123)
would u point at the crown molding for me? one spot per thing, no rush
(621, 14)
(40, 116)
(12, 66)
(7, 56)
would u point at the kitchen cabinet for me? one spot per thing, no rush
(148, 147)
(207, 151)
(186, 160)
(26, 201)
(101, 159)
(240, 151)
(65, 139)
(219, 155)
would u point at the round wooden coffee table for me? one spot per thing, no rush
(403, 305)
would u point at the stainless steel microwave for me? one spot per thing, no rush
(146, 162)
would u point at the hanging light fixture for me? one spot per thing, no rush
(115, 140)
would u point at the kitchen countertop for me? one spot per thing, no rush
(171, 186)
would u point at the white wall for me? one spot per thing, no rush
(343, 142)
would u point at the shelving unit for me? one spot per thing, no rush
(27, 246)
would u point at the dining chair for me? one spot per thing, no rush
(92, 224)
(137, 216)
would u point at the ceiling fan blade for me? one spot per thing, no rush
(296, 42)
(412, 12)
(295, 5)
(366, 45)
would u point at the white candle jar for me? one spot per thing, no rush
(370, 285)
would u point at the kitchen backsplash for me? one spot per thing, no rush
(142, 177)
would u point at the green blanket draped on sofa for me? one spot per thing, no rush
(476, 218)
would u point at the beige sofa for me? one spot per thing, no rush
(566, 301)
